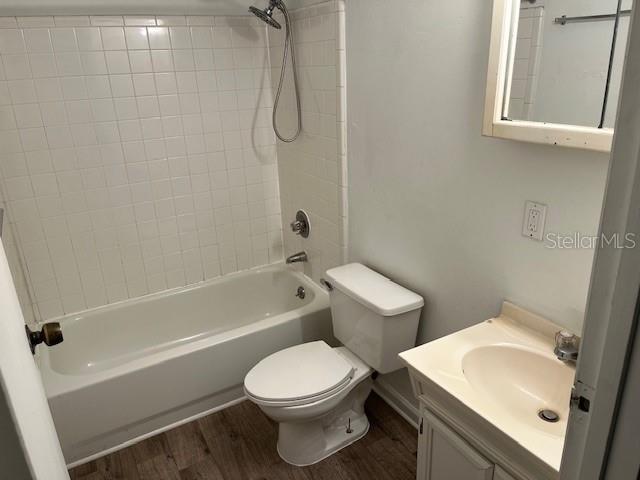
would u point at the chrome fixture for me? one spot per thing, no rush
(297, 257)
(326, 284)
(567, 346)
(301, 226)
(266, 16)
(51, 334)
(548, 415)
(300, 293)
(563, 20)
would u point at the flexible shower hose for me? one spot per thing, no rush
(288, 44)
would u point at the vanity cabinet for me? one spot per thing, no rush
(500, 474)
(477, 422)
(444, 455)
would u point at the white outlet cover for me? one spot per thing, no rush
(535, 215)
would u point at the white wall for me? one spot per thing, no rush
(137, 153)
(312, 170)
(433, 204)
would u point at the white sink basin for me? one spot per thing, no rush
(522, 383)
(505, 372)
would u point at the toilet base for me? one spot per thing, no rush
(307, 452)
(306, 443)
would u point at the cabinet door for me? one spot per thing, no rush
(500, 474)
(443, 455)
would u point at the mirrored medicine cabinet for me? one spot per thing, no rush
(555, 69)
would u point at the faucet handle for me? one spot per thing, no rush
(301, 226)
(567, 346)
(566, 339)
(297, 226)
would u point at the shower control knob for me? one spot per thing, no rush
(301, 225)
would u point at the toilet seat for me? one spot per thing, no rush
(298, 375)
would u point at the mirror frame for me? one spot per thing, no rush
(501, 58)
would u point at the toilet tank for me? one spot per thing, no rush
(373, 317)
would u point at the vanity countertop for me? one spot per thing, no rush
(505, 371)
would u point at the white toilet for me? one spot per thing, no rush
(315, 392)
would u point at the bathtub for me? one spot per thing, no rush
(130, 370)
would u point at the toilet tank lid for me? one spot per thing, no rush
(373, 290)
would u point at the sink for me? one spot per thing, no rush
(502, 380)
(522, 383)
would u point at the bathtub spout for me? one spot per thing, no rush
(297, 257)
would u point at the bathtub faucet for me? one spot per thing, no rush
(298, 257)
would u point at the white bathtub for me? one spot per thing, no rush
(132, 369)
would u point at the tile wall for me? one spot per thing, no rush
(527, 61)
(137, 155)
(313, 169)
(16, 266)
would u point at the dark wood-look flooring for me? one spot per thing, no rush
(239, 443)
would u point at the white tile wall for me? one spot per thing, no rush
(313, 169)
(18, 271)
(527, 61)
(137, 154)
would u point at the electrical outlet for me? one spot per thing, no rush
(535, 215)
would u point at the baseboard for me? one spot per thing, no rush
(397, 401)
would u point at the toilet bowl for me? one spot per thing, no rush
(315, 392)
(322, 411)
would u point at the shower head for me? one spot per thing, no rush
(266, 15)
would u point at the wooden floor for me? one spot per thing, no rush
(239, 443)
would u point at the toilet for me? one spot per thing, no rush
(315, 392)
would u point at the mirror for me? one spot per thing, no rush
(561, 64)
(555, 69)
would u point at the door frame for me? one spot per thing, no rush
(623, 460)
(610, 320)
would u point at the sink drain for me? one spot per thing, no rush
(548, 416)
